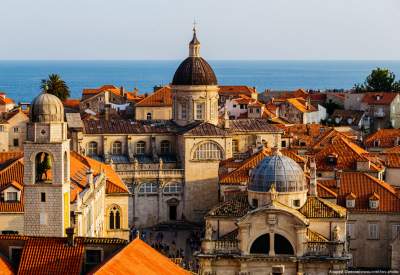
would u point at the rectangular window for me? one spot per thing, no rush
(395, 230)
(12, 196)
(234, 105)
(183, 111)
(43, 197)
(283, 143)
(16, 142)
(373, 231)
(199, 111)
(16, 129)
(235, 146)
(257, 111)
(1, 128)
(351, 230)
(43, 218)
(296, 203)
(251, 110)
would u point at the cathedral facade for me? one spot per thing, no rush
(171, 166)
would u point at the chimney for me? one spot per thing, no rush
(107, 108)
(313, 179)
(89, 177)
(70, 236)
(338, 174)
(122, 91)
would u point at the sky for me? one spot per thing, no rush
(227, 29)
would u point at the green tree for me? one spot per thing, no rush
(380, 80)
(56, 86)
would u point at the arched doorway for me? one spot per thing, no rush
(282, 245)
(260, 245)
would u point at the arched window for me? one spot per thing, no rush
(140, 148)
(282, 245)
(116, 148)
(148, 116)
(43, 167)
(92, 149)
(260, 245)
(115, 218)
(208, 151)
(148, 187)
(173, 187)
(165, 147)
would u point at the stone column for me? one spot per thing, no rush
(271, 244)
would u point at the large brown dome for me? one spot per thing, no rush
(194, 71)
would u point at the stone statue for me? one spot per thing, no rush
(336, 233)
(209, 231)
(43, 166)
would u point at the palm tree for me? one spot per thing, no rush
(56, 86)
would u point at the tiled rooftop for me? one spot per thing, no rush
(383, 98)
(160, 98)
(316, 207)
(363, 186)
(385, 138)
(139, 258)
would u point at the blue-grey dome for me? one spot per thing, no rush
(280, 170)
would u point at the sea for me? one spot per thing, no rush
(21, 79)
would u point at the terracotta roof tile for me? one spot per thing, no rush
(301, 105)
(361, 186)
(392, 160)
(387, 138)
(95, 127)
(347, 154)
(383, 98)
(95, 91)
(236, 91)
(5, 267)
(50, 256)
(205, 129)
(160, 98)
(236, 207)
(72, 103)
(241, 175)
(139, 258)
(252, 125)
(316, 207)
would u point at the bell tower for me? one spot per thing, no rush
(46, 169)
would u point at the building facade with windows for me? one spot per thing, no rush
(13, 130)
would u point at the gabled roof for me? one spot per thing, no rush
(301, 105)
(138, 258)
(95, 91)
(14, 171)
(160, 98)
(347, 154)
(347, 117)
(387, 138)
(392, 160)
(236, 91)
(316, 207)
(362, 186)
(375, 98)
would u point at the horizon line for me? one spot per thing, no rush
(74, 60)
